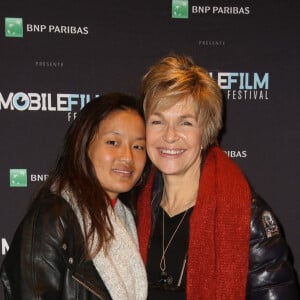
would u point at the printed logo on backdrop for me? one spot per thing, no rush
(49, 64)
(182, 9)
(4, 246)
(236, 153)
(241, 86)
(45, 102)
(20, 178)
(219, 10)
(14, 28)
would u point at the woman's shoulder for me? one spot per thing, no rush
(48, 213)
(49, 223)
(48, 203)
(264, 223)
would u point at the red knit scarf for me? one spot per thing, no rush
(218, 250)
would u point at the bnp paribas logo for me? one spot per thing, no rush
(180, 9)
(18, 178)
(14, 27)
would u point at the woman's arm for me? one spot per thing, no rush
(271, 274)
(35, 266)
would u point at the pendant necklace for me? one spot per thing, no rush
(165, 278)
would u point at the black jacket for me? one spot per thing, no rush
(271, 275)
(46, 257)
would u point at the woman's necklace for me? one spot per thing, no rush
(164, 277)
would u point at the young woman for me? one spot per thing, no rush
(203, 232)
(78, 240)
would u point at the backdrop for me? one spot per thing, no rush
(56, 55)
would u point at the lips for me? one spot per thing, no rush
(124, 172)
(167, 151)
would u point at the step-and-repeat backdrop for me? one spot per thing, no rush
(56, 55)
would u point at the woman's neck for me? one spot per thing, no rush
(179, 194)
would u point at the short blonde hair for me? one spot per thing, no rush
(177, 78)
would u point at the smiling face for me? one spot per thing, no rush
(174, 139)
(117, 151)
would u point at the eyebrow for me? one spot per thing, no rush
(186, 116)
(120, 134)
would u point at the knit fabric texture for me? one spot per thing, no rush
(121, 267)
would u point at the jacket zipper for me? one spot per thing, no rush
(87, 287)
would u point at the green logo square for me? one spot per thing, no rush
(180, 9)
(14, 27)
(18, 177)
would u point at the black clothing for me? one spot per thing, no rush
(46, 260)
(175, 255)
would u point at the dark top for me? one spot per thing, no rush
(161, 287)
(46, 257)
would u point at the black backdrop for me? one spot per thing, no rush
(56, 55)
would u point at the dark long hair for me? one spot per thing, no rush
(74, 170)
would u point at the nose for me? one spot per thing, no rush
(170, 134)
(126, 154)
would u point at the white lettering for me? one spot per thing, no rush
(72, 116)
(200, 9)
(38, 177)
(221, 10)
(4, 246)
(236, 153)
(35, 28)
